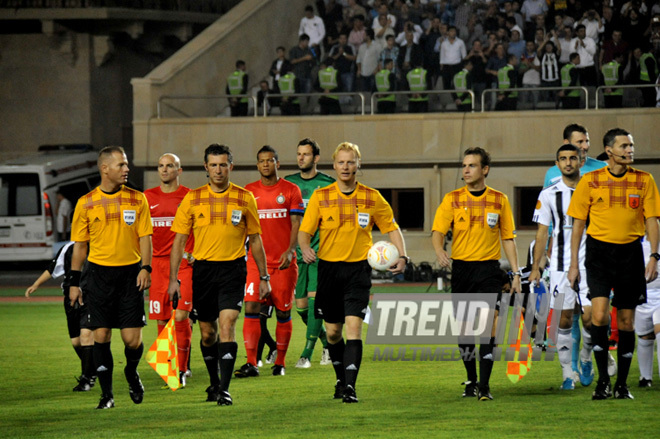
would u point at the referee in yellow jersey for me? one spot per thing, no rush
(479, 217)
(113, 221)
(621, 204)
(221, 215)
(344, 213)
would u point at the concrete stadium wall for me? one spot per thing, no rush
(250, 31)
(408, 151)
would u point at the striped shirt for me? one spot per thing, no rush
(551, 209)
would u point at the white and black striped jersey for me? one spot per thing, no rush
(549, 67)
(551, 210)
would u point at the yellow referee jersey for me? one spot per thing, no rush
(345, 221)
(478, 223)
(220, 222)
(615, 206)
(113, 224)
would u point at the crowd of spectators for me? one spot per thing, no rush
(345, 46)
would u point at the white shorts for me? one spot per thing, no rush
(647, 316)
(559, 285)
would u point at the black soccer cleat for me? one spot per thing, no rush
(484, 393)
(339, 390)
(84, 384)
(470, 389)
(213, 393)
(106, 402)
(136, 389)
(621, 392)
(349, 396)
(278, 370)
(645, 383)
(603, 390)
(247, 370)
(224, 398)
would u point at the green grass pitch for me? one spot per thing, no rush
(398, 399)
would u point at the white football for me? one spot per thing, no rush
(382, 255)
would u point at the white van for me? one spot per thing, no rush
(28, 188)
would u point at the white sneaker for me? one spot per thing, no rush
(325, 357)
(611, 365)
(271, 357)
(260, 363)
(303, 363)
(189, 373)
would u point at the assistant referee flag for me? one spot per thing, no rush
(163, 356)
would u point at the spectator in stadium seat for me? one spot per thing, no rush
(478, 77)
(496, 61)
(634, 27)
(452, 52)
(431, 57)
(280, 66)
(367, 62)
(517, 44)
(530, 67)
(570, 77)
(531, 8)
(613, 46)
(391, 19)
(354, 9)
(357, 35)
(586, 48)
(344, 61)
(385, 30)
(313, 26)
(409, 55)
(409, 26)
(593, 24)
(549, 69)
(564, 47)
(302, 61)
(648, 71)
(507, 77)
(391, 51)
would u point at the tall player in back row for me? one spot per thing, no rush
(280, 208)
(308, 180)
(163, 202)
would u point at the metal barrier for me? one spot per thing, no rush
(299, 95)
(603, 87)
(522, 89)
(426, 92)
(161, 102)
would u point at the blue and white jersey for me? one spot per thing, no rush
(550, 211)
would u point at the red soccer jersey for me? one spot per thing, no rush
(276, 204)
(163, 207)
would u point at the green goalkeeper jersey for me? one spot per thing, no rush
(307, 188)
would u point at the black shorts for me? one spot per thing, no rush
(76, 316)
(218, 285)
(343, 290)
(483, 277)
(113, 298)
(618, 267)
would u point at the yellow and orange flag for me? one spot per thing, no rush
(163, 356)
(516, 369)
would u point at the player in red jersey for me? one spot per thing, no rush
(163, 202)
(280, 208)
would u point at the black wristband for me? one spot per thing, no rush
(147, 267)
(74, 278)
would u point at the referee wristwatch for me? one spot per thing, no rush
(147, 267)
(266, 277)
(656, 256)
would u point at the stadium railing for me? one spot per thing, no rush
(313, 95)
(600, 95)
(375, 95)
(494, 91)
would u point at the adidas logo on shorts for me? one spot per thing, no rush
(351, 367)
(228, 356)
